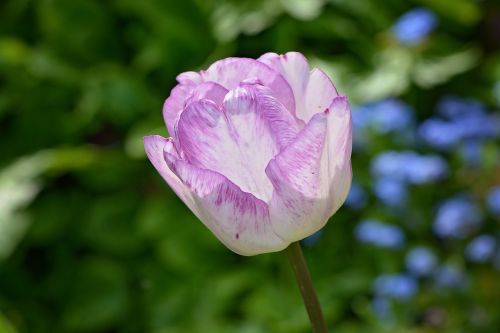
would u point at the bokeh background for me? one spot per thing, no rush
(92, 239)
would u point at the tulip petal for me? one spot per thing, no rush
(311, 176)
(174, 105)
(207, 90)
(313, 91)
(239, 140)
(238, 219)
(156, 146)
(230, 72)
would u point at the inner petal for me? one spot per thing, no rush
(239, 140)
(230, 72)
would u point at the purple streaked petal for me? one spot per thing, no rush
(174, 105)
(207, 90)
(156, 146)
(230, 72)
(313, 90)
(238, 219)
(311, 177)
(189, 78)
(235, 142)
(339, 138)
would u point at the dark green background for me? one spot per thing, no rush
(92, 239)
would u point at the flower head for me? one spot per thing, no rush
(260, 150)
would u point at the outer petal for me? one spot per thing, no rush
(238, 141)
(156, 147)
(230, 72)
(312, 176)
(313, 91)
(238, 219)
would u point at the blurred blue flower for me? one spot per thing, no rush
(464, 119)
(409, 166)
(383, 117)
(391, 115)
(450, 276)
(382, 308)
(313, 239)
(357, 198)
(471, 151)
(390, 191)
(493, 200)
(414, 26)
(361, 116)
(421, 261)
(379, 234)
(388, 164)
(456, 217)
(439, 133)
(425, 169)
(481, 248)
(396, 286)
(454, 107)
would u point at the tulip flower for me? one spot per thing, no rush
(259, 150)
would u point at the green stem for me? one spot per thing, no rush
(299, 265)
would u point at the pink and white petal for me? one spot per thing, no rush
(313, 91)
(312, 176)
(295, 69)
(299, 175)
(238, 219)
(339, 143)
(174, 105)
(189, 78)
(156, 147)
(240, 140)
(259, 100)
(319, 94)
(230, 72)
(207, 90)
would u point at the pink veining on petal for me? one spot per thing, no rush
(207, 90)
(230, 72)
(239, 140)
(155, 147)
(238, 219)
(312, 175)
(313, 90)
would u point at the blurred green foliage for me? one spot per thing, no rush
(92, 240)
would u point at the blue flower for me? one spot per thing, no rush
(450, 276)
(382, 308)
(409, 166)
(390, 191)
(456, 218)
(379, 234)
(439, 133)
(454, 107)
(391, 115)
(396, 286)
(357, 198)
(426, 169)
(493, 200)
(481, 248)
(414, 26)
(471, 152)
(465, 119)
(389, 164)
(421, 261)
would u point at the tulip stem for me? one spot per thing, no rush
(299, 266)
